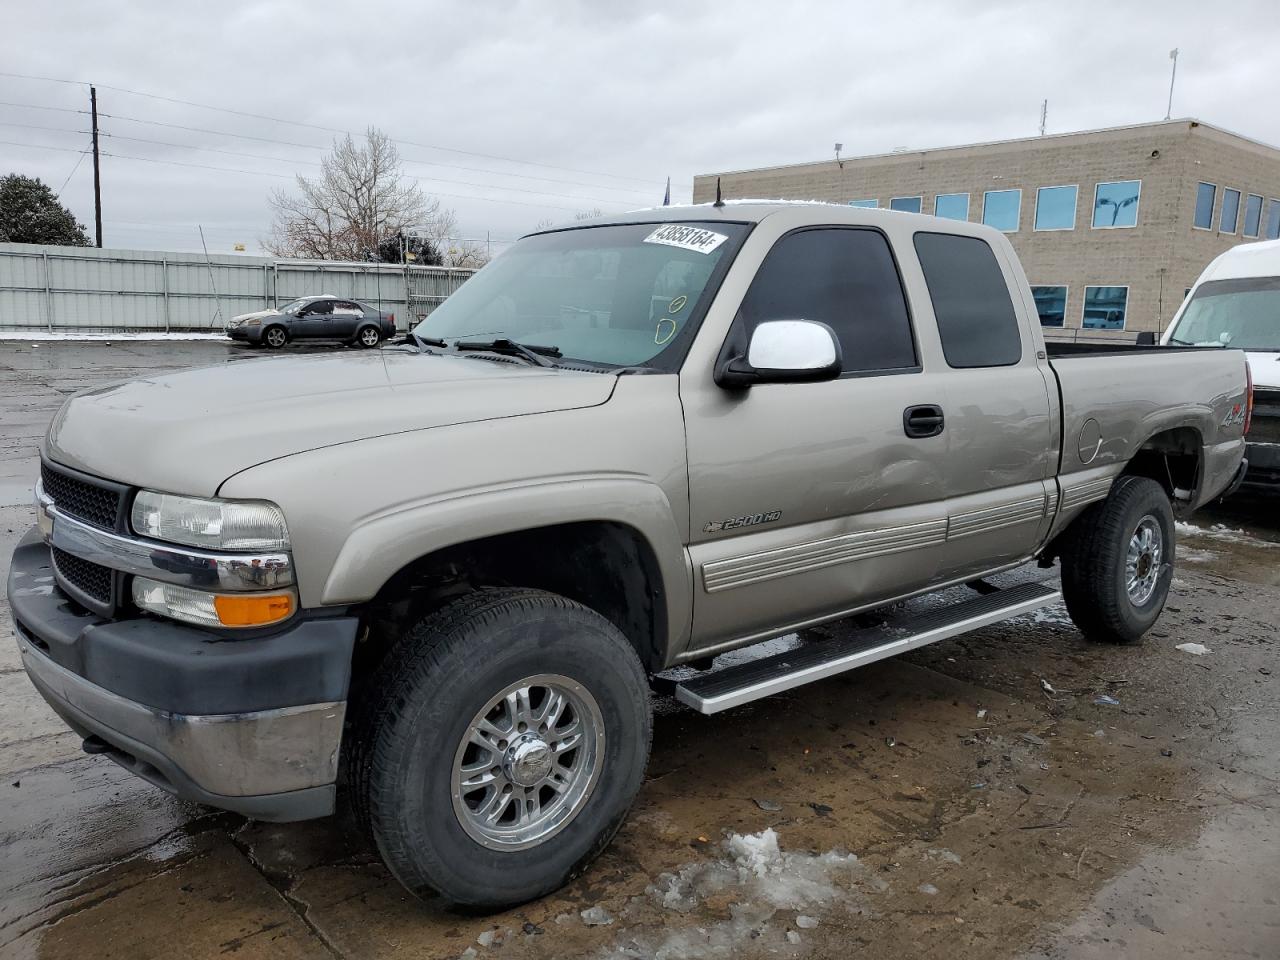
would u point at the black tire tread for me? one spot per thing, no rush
(1097, 538)
(438, 645)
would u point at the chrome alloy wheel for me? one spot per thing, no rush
(1143, 560)
(369, 336)
(276, 337)
(528, 762)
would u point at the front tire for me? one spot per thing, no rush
(503, 743)
(1117, 562)
(275, 337)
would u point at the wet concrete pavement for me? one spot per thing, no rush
(989, 817)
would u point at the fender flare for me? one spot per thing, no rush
(387, 542)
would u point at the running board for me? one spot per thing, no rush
(733, 686)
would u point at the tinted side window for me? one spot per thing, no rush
(845, 278)
(971, 301)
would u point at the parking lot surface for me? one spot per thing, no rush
(1017, 792)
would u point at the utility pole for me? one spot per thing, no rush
(1173, 55)
(97, 177)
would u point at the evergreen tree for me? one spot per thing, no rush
(31, 213)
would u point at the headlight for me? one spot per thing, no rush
(212, 524)
(253, 323)
(212, 609)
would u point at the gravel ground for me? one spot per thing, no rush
(973, 799)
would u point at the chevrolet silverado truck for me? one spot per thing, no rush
(445, 576)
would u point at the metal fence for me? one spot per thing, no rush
(86, 289)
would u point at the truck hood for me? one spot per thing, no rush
(188, 432)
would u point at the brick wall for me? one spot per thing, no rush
(1157, 259)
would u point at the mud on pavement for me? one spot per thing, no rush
(1014, 793)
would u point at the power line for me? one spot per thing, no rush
(312, 146)
(37, 106)
(79, 160)
(36, 126)
(38, 146)
(313, 126)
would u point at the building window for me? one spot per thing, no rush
(970, 301)
(1273, 219)
(1104, 307)
(906, 204)
(1230, 218)
(1001, 209)
(1252, 215)
(1056, 209)
(1206, 193)
(1051, 304)
(1116, 204)
(864, 203)
(951, 206)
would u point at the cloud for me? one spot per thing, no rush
(610, 98)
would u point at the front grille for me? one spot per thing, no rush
(91, 579)
(80, 498)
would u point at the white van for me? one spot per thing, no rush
(1236, 303)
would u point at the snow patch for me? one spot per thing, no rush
(761, 878)
(78, 336)
(1221, 532)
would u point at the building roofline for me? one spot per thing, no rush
(1190, 122)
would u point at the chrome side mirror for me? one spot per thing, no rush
(784, 351)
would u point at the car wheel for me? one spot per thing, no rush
(275, 337)
(369, 337)
(1117, 562)
(502, 746)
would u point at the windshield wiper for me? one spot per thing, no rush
(534, 353)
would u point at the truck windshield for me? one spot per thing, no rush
(1243, 313)
(627, 295)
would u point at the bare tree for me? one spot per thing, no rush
(359, 200)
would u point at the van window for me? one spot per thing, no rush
(1242, 313)
(845, 278)
(971, 301)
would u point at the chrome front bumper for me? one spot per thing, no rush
(271, 764)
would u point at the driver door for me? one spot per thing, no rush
(315, 321)
(810, 499)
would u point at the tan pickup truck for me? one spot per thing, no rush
(443, 576)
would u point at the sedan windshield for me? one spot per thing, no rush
(1243, 313)
(628, 295)
(294, 305)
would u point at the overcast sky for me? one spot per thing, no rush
(601, 101)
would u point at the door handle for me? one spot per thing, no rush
(923, 420)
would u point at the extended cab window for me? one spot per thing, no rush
(845, 278)
(970, 301)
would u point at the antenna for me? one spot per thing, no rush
(839, 147)
(1173, 55)
(1044, 113)
(719, 198)
(666, 197)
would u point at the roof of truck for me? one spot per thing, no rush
(745, 211)
(1246, 260)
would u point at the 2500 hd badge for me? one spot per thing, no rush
(715, 526)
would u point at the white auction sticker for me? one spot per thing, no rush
(687, 238)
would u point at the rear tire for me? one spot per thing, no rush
(368, 337)
(1117, 562)
(415, 762)
(275, 337)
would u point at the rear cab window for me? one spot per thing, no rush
(845, 277)
(976, 319)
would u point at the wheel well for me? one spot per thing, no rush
(609, 567)
(1173, 459)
